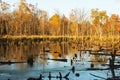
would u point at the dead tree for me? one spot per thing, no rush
(112, 60)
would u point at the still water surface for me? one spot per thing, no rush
(41, 51)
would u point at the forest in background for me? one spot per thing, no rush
(29, 21)
(22, 29)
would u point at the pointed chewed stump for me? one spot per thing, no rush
(75, 55)
(40, 78)
(73, 69)
(60, 76)
(71, 62)
(77, 75)
(49, 77)
(30, 60)
(115, 78)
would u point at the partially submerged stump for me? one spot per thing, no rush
(30, 60)
(115, 78)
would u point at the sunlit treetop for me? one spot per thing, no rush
(55, 20)
(23, 7)
(114, 18)
(98, 17)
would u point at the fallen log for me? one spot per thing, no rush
(97, 68)
(9, 62)
(97, 76)
(96, 53)
(62, 60)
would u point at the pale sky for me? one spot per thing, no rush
(65, 6)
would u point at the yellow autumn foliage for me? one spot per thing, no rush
(73, 28)
(55, 23)
(98, 17)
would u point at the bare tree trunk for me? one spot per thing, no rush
(113, 54)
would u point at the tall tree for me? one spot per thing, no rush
(98, 20)
(55, 24)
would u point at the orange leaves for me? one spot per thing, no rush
(114, 18)
(112, 24)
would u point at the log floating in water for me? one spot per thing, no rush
(97, 76)
(62, 60)
(95, 53)
(9, 62)
(95, 61)
(97, 68)
(94, 69)
(115, 66)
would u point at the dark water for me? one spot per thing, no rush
(41, 52)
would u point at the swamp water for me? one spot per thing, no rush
(54, 57)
